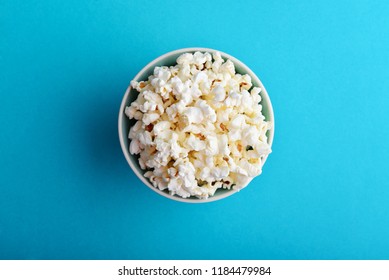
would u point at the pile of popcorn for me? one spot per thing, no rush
(199, 126)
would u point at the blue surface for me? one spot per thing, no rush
(66, 191)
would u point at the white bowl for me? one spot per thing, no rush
(169, 59)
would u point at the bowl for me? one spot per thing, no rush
(130, 95)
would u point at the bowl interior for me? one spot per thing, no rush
(131, 95)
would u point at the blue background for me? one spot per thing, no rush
(67, 192)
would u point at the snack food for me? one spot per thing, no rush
(199, 126)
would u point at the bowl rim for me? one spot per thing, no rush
(126, 152)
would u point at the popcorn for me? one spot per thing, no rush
(135, 147)
(193, 115)
(199, 126)
(185, 58)
(219, 92)
(206, 110)
(212, 147)
(150, 118)
(162, 73)
(194, 144)
(145, 138)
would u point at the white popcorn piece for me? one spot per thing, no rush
(234, 99)
(195, 91)
(200, 77)
(240, 180)
(162, 73)
(223, 148)
(206, 110)
(193, 128)
(185, 58)
(138, 115)
(199, 58)
(250, 135)
(134, 130)
(161, 127)
(205, 173)
(195, 144)
(237, 122)
(212, 147)
(135, 147)
(228, 67)
(220, 172)
(150, 118)
(130, 111)
(219, 92)
(199, 126)
(193, 115)
(223, 116)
